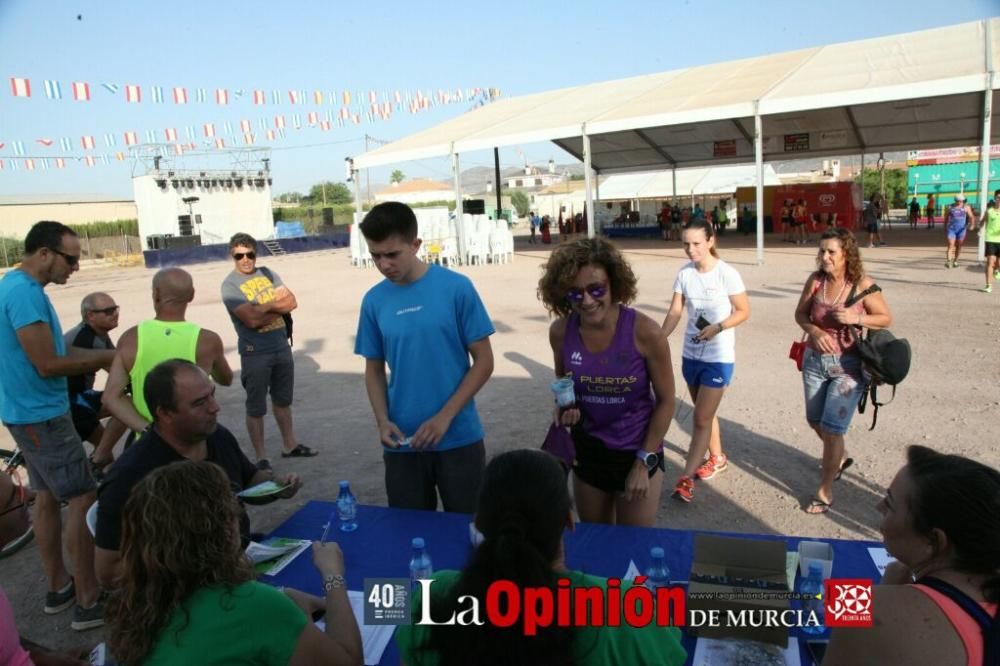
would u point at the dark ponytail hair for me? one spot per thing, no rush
(702, 224)
(523, 507)
(960, 497)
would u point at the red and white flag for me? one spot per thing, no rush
(20, 87)
(325, 125)
(179, 149)
(249, 138)
(131, 139)
(312, 117)
(133, 94)
(170, 133)
(180, 96)
(245, 126)
(220, 143)
(270, 135)
(279, 122)
(81, 91)
(221, 96)
(60, 163)
(293, 96)
(90, 160)
(44, 142)
(29, 165)
(259, 97)
(87, 142)
(209, 129)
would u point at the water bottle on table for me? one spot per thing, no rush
(812, 589)
(347, 508)
(658, 573)
(420, 562)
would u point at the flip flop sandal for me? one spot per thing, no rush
(817, 503)
(300, 451)
(843, 468)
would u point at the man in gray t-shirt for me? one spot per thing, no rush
(257, 301)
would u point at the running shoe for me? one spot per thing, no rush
(684, 490)
(947, 264)
(988, 289)
(996, 274)
(713, 466)
(60, 600)
(85, 619)
(954, 263)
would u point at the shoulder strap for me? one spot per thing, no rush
(990, 625)
(853, 297)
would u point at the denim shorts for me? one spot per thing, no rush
(833, 386)
(57, 462)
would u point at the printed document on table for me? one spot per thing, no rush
(374, 639)
(881, 558)
(273, 555)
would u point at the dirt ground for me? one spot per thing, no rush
(946, 402)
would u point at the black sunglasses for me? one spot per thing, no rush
(71, 259)
(596, 290)
(238, 256)
(107, 311)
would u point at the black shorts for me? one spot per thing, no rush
(992, 249)
(603, 468)
(84, 408)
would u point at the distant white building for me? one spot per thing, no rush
(414, 191)
(533, 178)
(19, 213)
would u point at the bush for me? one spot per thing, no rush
(519, 200)
(102, 228)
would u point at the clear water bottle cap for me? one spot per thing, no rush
(656, 551)
(418, 542)
(815, 568)
(345, 484)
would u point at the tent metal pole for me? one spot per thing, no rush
(358, 210)
(459, 222)
(673, 187)
(758, 156)
(984, 150)
(588, 183)
(496, 174)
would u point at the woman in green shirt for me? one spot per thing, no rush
(524, 506)
(187, 593)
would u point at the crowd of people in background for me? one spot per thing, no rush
(158, 573)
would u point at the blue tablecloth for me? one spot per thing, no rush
(380, 547)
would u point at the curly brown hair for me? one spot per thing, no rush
(855, 270)
(180, 533)
(567, 260)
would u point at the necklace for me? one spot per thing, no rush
(840, 293)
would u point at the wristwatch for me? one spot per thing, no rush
(334, 582)
(650, 459)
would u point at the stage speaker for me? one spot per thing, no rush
(184, 225)
(156, 242)
(176, 242)
(474, 206)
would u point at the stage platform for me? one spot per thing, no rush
(205, 253)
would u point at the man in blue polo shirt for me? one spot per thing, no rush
(34, 405)
(423, 322)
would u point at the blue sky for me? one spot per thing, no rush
(517, 46)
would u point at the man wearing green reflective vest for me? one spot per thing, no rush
(167, 336)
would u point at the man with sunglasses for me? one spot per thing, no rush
(34, 405)
(99, 315)
(258, 302)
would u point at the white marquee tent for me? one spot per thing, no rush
(926, 89)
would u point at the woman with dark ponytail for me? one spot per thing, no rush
(524, 506)
(937, 604)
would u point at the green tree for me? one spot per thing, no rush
(895, 185)
(290, 197)
(336, 193)
(397, 176)
(519, 200)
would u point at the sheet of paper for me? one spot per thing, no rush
(269, 559)
(881, 558)
(262, 489)
(726, 652)
(374, 639)
(632, 571)
(791, 564)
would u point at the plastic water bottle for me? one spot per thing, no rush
(420, 562)
(812, 589)
(347, 508)
(658, 573)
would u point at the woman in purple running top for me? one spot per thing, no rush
(716, 301)
(619, 361)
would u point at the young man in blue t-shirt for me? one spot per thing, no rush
(424, 322)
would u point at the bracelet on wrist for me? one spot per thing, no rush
(334, 582)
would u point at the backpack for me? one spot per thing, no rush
(884, 357)
(288, 315)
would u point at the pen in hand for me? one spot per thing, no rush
(326, 529)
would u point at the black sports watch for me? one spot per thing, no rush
(649, 458)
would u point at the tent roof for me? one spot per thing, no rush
(920, 89)
(659, 184)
